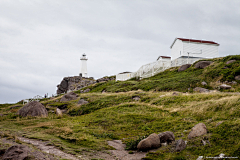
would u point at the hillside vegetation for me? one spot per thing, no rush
(116, 115)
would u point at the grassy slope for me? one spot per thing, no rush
(116, 116)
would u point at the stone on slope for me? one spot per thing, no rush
(181, 145)
(202, 64)
(86, 90)
(198, 130)
(224, 86)
(82, 101)
(200, 89)
(17, 152)
(184, 67)
(152, 141)
(204, 83)
(58, 112)
(166, 137)
(237, 77)
(33, 108)
(136, 98)
(69, 96)
(230, 61)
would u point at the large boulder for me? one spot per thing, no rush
(184, 67)
(202, 64)
(63, 86)
(152, 141)
(17, 152)
(33, 108)
(201, 90)
(198, 130)
(230, 61)
(68, 97)
(180, 145)
(166, 137)
(224, 86)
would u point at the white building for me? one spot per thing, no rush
(182, 47)
(83, 71)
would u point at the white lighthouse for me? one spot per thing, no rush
(83, 71)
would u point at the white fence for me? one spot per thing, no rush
(154, 68)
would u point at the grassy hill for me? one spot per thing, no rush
(115, 115)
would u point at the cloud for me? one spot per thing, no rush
(41, 41)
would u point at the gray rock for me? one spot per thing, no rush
(33, 108)
(201, 90)
(219, 123)
(198, 130)
(68, 97)
(204, 83)
(184, 67)
(203, 142)
(237, 77)
(231, 61)
(166, 137)
(175, 94)
(1, 115)
(58, 112)
(17, 152)
(224, 86)
(234, 82)
(82, 101)
(136, 98)
(202, 64)
(181, 145)
(16, 106)
(151, 142)
(86, 90)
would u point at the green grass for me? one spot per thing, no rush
(115, 115)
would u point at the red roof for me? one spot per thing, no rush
(194, 40)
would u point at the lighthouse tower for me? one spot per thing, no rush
(83, 71)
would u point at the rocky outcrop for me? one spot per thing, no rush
(166, 137)
(33, 108)
(224, 86)
(201, 90)
(202, 64)
(17, 152)
(74, 83)
(184, 67)
(198, 130)
(237, 77)
(152, 141)
(105, 79)
(68, 97)
(180, 145)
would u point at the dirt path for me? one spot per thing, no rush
(121, 154)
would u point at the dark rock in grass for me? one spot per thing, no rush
(181, 145)
(33, 108)
(1, 115)
(224, 86)
(203, 64)
(68, 97)
(166, 137)
(17, 152)
(86, 90)
(184, 67)
(175, 94)
(151, 142)
(136, 98)
(201, 90)
(82, 101)
(16, 106)
(198, 130)
(237, 77)
(231, 61)
(204, 83)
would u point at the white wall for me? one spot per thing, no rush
(208, 50)
(176, 49)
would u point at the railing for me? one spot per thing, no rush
(154, 68)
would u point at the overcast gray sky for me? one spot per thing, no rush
(41, 41)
